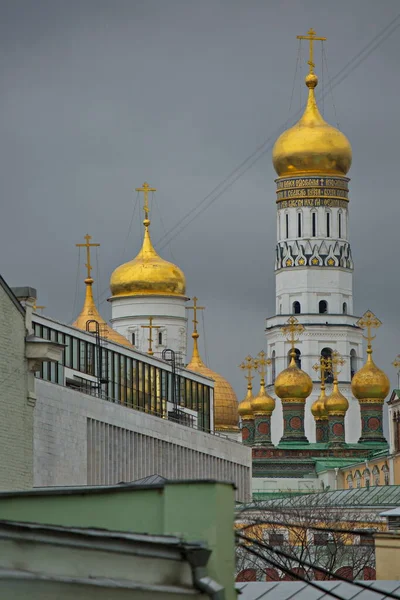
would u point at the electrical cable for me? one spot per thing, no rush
(76, 287)
(308, 564)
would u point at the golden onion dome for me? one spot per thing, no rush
(148, 274)
(293, 383)
(336, 403)
(89, 312)
(226, 414)
(318, 408)
(245, 408)
(370, 382)
(312, 145)
(263, 403)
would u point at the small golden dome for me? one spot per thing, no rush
(263, 403)
(89, 312)
(293, 383)
(312, 145)
(336, 403)
(370, 382)
(226, 414)
(318, 408)
(245, 408)
(148, 273)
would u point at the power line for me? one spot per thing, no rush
(261, 150)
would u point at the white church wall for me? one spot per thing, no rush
(82, 440)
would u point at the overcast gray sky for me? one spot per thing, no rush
(98, 96)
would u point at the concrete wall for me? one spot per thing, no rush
(80, 440)
(16, 414)
(387, 552)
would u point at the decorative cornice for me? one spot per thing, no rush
(309, 253)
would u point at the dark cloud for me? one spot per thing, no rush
(98, 96)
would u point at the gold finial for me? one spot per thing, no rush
(396, 362)
(260, 365)
(38, 307)
(248, 365)
(336, 361)
(322, 367)
(146, 189)
(311, 37)
(88, 245)
(195, 308)
(369, 321)
(292, 331)
(150, 327)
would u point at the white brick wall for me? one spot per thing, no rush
(80, 440)
(16, 415)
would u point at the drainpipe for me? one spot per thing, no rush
(198, 559)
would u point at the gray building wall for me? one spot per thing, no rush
(83, 440)
(16, 410)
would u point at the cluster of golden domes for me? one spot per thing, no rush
(312, 145)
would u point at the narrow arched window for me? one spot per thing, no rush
(344, 308)
(353, 363)
(298, 224)
(133, 339)
(328, 224)
(273, 366)
(322, 307)
(160, 338)
(287, 225)
(326, 353)
(296, 308)
(340, 224)
(314, 224)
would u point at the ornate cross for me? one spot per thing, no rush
(146, 189)
(195, 308)
(396, 364)
(37, 307)
(292, 330)
(311, 37)
(150, 327)
(369, 321)
(88, 245)
(322, 367)
(260, 364)
(248, 365)
(337, 361)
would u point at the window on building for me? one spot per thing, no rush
(344, 308)
(321, 539)
(327, 354)
(349, 480)
(297, 358)
(299, 224)
(366, 539)
(367, 477)
(296, 308)
(273, 366)
(276, 539)
(376, 476)
(353, 363)
(340, 224)
(133, 339)
(386, 475)
(160, 338)
(357, 477)
(287, 225)
(314, 224)
(328, 224)
(322, 307)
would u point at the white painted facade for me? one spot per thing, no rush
(130, 316)
(314, 281)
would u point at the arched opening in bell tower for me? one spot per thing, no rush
(296, 308)
(345, 308)
(353, 363)
(273, 366)
(314, 224)
(326, 353)
(322, 307)
(299, 224)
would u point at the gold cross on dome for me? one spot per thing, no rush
(260, 364)
(396, 362)
(150, 327)
(87, 245)
(248, 365)
(146, 189)
(322, 367)
(369, 321)
(337, 361)
(38, 307)
(311, 37)
(292, 330)
(195, 308)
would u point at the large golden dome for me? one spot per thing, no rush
(336, 403)
(370, 382)
(89, 312)
(148, 273)
(312, 145)
(293, 384)
(226, 414)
